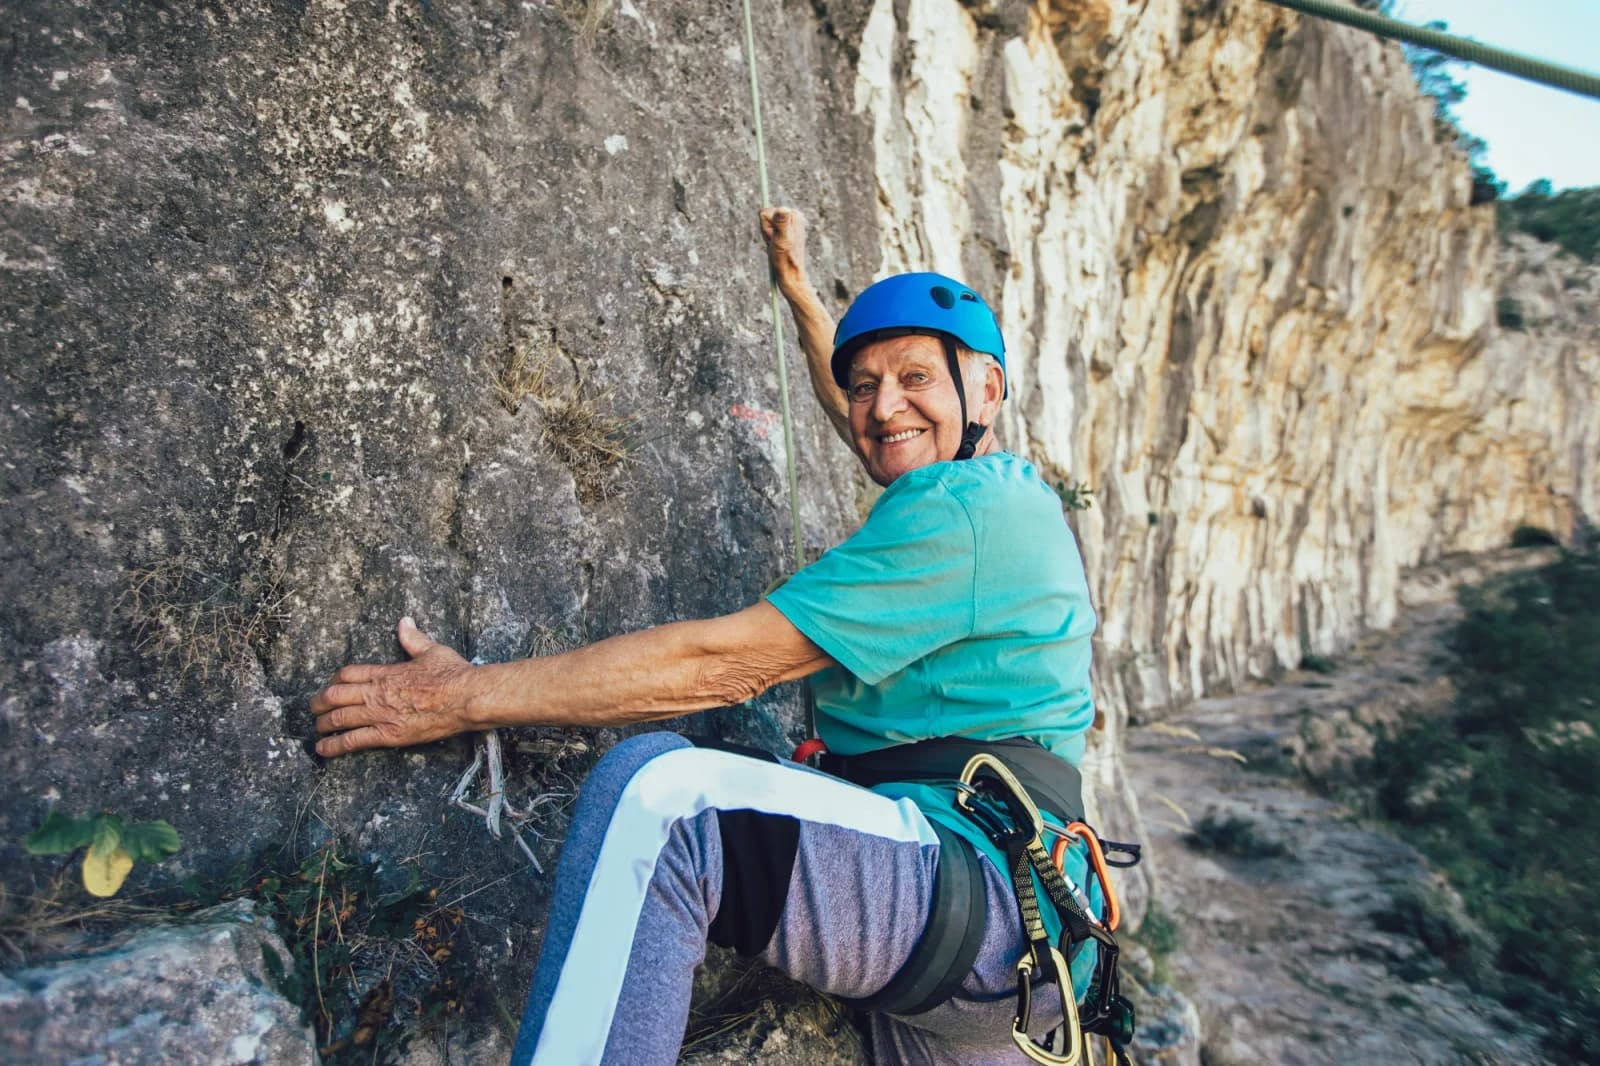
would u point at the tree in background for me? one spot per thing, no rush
(1570, 218)
(1436, 76)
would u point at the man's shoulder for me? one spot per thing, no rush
(996, 468)
(998, 478)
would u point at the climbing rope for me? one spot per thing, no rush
(777, 310)
(777, 339)
(1514, 63)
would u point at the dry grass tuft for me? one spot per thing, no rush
(588, 17)
(39, 925)
(1213, 752)
(524, 372)
(199, 621)
(588, 442)
(1176, 808)
(738, 1018)
(544, 640)
(1170, 730)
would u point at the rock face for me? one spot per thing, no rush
(316, 314)
(167, 996)
(1248, 303)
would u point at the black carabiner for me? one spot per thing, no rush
(1133, 851)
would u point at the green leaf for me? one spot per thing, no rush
(150, 841)
(58, 834)
(272, 962)
(105, 835)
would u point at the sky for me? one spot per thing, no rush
(1533, 131)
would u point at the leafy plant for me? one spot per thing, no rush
(113, 846)
(1160, 934)
(1503, 798)
(1318, 664)
(1570, 218)
(1526, 536)
(1233, 835)
(1075, 496)
(368, 966)
(1508, 313)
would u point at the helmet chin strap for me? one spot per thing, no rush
(973, 433)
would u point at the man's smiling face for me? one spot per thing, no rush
(904, 412)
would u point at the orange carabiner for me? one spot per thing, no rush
(1097, 861)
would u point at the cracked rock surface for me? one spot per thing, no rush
(163, 996)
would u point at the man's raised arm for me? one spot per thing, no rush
(784, 230)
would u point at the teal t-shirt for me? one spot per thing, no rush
(959, 608)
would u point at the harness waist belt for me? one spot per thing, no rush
(1055, 784)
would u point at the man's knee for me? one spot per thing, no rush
(610, 777)
(750, 853)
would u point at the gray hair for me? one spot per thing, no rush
(981, 361)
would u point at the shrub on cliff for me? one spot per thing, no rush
(1503, 797)
(1570, 218)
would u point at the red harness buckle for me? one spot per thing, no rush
(808, 748)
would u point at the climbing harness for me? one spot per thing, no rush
(997, 784)
(996, 801)
(1546, 73)
(1054, 781)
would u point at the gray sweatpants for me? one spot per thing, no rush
(640, 887)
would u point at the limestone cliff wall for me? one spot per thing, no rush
(314, 314)
(1249, 305)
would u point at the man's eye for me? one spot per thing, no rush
(862, 389)
(916, 377)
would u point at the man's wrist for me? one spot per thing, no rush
(799, 292)
(481, 703)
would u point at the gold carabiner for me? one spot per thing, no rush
(1069, 1013)
(983, 760)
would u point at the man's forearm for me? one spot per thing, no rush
(639, 677)
(815, 327)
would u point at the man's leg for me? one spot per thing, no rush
(640, 885)
(672, 844)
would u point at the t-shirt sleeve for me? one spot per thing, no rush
(898, 590)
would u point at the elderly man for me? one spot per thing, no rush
(957, 615)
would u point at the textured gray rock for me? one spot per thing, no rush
(268, 271)
(164, 996)
(1169, 1023)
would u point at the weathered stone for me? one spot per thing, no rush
(165, 996)
(1168, 1023)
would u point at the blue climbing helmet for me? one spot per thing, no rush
(929, 304)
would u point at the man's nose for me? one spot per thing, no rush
(888, 402)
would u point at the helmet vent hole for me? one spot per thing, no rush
(943, 297)
(969, 296)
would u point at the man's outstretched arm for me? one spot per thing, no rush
(784, 230)
(636, 677)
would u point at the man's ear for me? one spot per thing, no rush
(994, 390)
